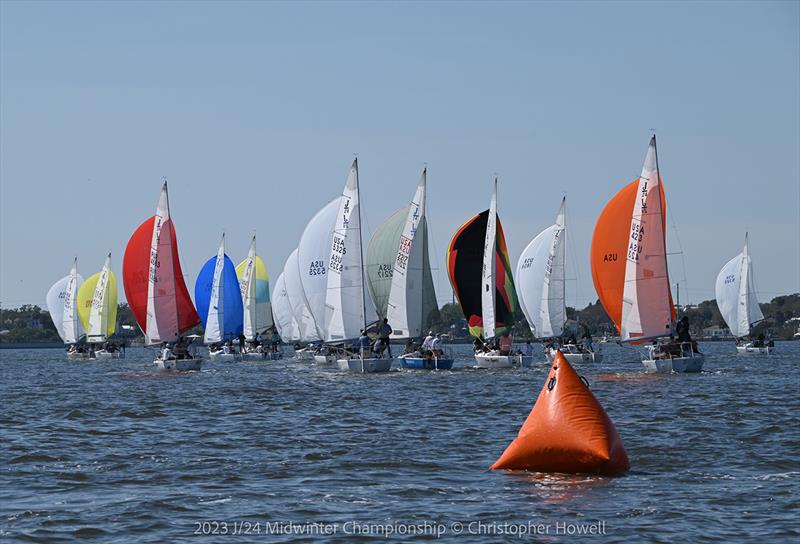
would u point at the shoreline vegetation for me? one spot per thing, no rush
(30, 324)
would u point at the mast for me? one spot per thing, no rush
(661, 205)
(361, 250)
(424, 255)
(564, 267)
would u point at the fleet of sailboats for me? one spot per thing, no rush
(331, 298)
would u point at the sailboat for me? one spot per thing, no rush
(541, 286)
(62, 302)
(347, 310)
(400, 280)
(154, 286)
(254, 284)
(97, 308)
(219, 303)
(305, 326)
(737, 302)
(480, 273)
(630, 272)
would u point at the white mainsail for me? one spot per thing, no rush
(405, 307)
(99, 312)
(306, 329)
(346, 310)
(488, 272)
(540, 279)
(216, 312)
(257, 312)
(736, 294)
(62, 304)
(162, 305)
(313, 254)
(646, 299)
(282, 311)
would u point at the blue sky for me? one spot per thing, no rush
(253, 112)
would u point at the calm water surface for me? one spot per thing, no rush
(112, 452)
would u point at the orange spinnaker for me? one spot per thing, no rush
(610, 249)
(567, 431)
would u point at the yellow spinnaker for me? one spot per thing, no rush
(106, 304)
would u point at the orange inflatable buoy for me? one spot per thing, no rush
(567, 430)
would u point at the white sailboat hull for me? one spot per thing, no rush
(326, 360)
(365, 365)
(178, 365)
(220, 357)
(488, 360)
(103, 354)
(676, 364)
(748, 349)
(304, 354)
(261, 355)
(575, 356)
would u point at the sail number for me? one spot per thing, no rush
(527, 263)
(403, 253)
(731, 278)
(317, 268)
(385, 271)
(635, 247)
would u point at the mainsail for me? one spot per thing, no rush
(736, 294)
(347, 310)
(62, 302)
(153, 280)
(629, 257)
(465, 263)
(219, 298)
(254, 284)
(97, 304)
(399, 271)
(540, 279)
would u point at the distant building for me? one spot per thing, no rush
(715, 331)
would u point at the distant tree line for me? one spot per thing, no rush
(30, 323)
